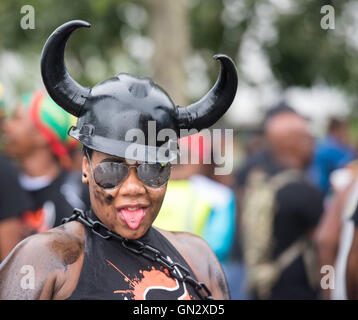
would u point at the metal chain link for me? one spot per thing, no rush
(147, 251)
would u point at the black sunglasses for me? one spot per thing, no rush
(110, 174)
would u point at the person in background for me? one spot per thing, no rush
(261, 158)
(13, 200)
(335, 233)
(331, 153)
(334, 171)
(206, 207)
(351, 279)
(280, 210)
(35, 136)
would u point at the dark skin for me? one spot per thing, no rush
(327, 235)
(28, 147)
(351, 272)
(57, 255)
(13, 227)
(352, 265)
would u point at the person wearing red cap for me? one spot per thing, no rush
(13, 200)
(35, 135)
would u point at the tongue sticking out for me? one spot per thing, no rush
(132, 217)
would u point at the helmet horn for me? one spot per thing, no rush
(65, 91)
(210, 108)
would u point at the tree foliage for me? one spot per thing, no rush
(302, 54)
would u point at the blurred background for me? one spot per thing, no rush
(283, 55)
(280, 50)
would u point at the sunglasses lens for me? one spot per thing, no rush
(153, 175)
(109, 175)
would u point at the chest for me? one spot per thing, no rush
(112, 272)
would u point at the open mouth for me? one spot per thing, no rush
(132, 215)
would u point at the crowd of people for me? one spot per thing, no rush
(275, 224)
(40, 183)
(289, 209)
(295, 198)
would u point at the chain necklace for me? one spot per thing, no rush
(147, 251)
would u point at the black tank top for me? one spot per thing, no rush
(112, 272)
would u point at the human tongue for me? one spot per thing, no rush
(132, 217)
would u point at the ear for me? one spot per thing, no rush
(85, 170)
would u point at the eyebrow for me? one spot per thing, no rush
(113, 159)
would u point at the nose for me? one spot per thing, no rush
(132, 186)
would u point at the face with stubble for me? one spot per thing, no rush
(128, 209)
(290, 137)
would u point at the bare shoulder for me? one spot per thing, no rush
(35, 267)
(188, 244)
(67, 241)
(202, 260)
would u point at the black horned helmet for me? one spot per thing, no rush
(111, 109)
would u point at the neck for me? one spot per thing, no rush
(291, 162)
(40, 163)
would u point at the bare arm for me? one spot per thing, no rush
(29, 272)
(327, 234)
(45, 266)
(328, 231)
(10, 236)
(352, 267)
